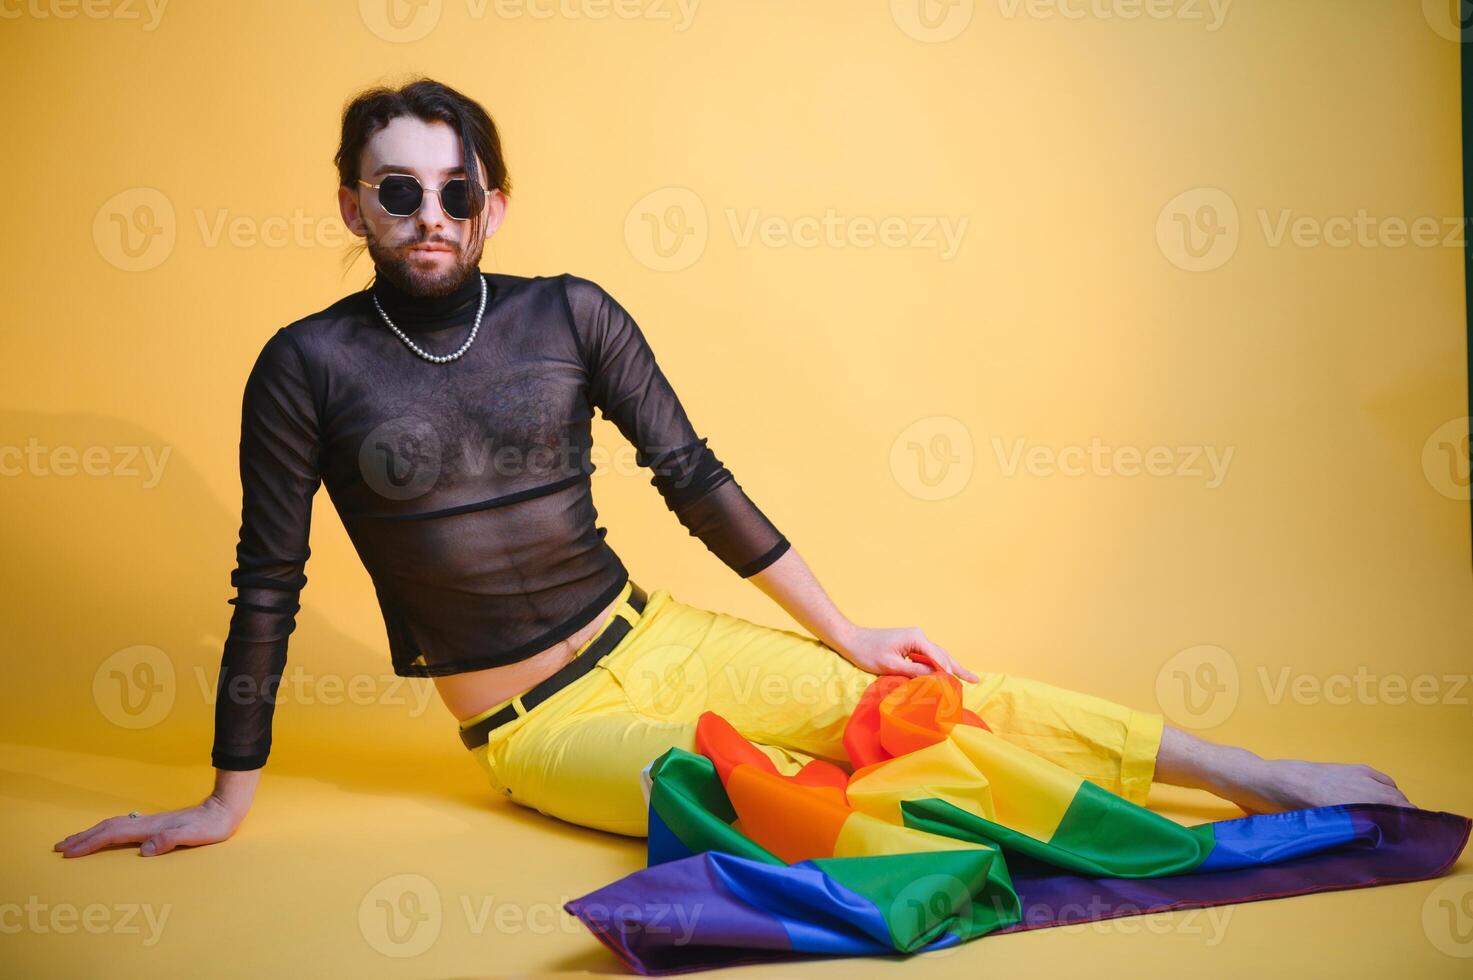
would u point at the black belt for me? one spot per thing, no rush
(475, 736)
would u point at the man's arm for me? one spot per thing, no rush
(791, 584)
(278, 475)
(626, 383)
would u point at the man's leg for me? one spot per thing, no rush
(580, 756)
(1261, 785)
(1125, 750)
(1117, 747)
(787, 690)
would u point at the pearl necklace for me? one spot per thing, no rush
(438, 358)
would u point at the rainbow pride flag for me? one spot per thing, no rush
(943, 832)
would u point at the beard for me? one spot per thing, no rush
(394, 263)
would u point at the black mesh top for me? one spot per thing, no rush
(463, 485)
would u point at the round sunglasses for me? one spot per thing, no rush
(402, 194)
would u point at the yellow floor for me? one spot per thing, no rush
(144, 276)
(338, 816)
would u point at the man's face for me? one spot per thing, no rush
(426, 253)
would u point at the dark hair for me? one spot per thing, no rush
(371, 110)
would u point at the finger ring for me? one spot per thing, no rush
(133, 813)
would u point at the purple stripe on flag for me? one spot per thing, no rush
(683, 915)
(1391, 844)
(679, 916)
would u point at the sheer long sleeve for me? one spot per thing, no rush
(279, 474)
(626, 384)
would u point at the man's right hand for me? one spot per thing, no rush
(156, 833)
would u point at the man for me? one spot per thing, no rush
(491, 573)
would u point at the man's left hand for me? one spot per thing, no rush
(900, 650)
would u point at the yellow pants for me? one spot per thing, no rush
(578, 755)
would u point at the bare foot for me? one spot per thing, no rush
(1292, 784)
(1260, 785)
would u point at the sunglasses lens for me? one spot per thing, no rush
(399, 194)
(455, 198)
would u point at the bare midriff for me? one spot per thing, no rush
(471, 692)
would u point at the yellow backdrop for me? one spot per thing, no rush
(1117, 344)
